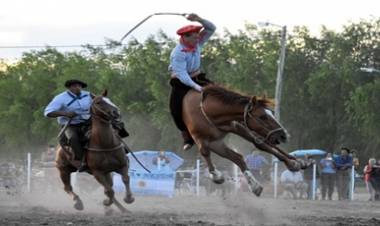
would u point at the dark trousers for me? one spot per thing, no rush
(177, 94)
(342, 183)
(328, 182)
(74, 136)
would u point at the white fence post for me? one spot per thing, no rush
(314, 180)
(197, 173)
(29, 169)
(275, 173)
(352, 187)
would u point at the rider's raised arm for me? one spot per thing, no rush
(208, 29)
(179, 70)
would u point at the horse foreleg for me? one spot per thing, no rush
(220, 148)
(291, 163)
(64, 174)
(128, 192)
(105, 179)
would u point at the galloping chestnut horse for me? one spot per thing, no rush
(105, 154)
(217, 111)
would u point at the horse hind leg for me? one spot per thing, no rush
(220, 148)
(65, 177)
(215, 175)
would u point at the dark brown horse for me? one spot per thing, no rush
(105, 154)
(217, 111)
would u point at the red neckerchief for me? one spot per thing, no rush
(188, 47)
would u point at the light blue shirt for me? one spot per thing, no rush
(328, 166)
(67, 101)
(182, 63)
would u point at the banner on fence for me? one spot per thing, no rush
(160, 181)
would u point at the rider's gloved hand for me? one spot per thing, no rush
(193, 17)
(71, 114)
(199, 89)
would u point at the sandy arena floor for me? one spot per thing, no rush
(241, 209)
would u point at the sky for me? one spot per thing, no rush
(76, 22)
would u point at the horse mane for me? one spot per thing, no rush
(230, 97)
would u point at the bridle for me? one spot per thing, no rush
(258, 138)
(107, 118)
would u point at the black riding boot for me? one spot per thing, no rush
(188, 141)
(83, 164)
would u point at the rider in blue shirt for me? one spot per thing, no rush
(74, 104)
(185, 62)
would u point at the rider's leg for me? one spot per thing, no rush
(73, 134)
(178, 92)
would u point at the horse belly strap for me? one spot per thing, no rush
(106, 149)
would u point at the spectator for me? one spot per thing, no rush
(308, 175)
(355, 159)
(367, 175)
(161, 161)
(293, 182)
(328, 176)
(343, 165)
(374, 179)
(256, 163)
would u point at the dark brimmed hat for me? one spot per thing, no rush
(71, 82)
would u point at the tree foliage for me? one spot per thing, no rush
(327, 101)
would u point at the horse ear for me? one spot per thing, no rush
(105, 92)
(254, 100)
(92, 95)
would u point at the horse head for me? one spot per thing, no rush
(103, 107)
(258, 117)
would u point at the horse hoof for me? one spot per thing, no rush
(78, 205)
(107, 202)
(217, 177)
(258, 191)
(294, 165)
(302, 163)
(129, 199)
(219, 180)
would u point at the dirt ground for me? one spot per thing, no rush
(240, 209)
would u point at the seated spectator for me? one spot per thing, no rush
(293, 183)
(328, 176)
(367, 175)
